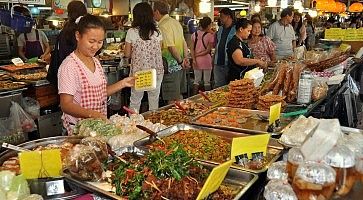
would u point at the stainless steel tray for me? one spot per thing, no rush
(234, 177)
(250, 130)
(273, 145)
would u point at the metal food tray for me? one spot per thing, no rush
(41, 142)
(226, 135)
(234, 177)
(278, 131)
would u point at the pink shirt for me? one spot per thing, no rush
(69, 79)
(263, 48)
(203, 62)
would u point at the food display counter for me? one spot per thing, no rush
(157, 154)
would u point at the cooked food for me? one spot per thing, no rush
(168, 117)
(10, 85)
(164, 174)
(16, 68)
(266, 101)
(96, 127)
(242, 93)
(30, 77)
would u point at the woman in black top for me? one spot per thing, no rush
(240, 59)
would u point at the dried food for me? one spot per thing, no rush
(242, 93)
(168, 117)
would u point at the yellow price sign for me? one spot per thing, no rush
(40, 164)
(249, 145)
(145, 80)
(214, 179)
(274, 113)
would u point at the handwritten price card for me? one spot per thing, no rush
(145, 80)
(249, 145)
(214, 180)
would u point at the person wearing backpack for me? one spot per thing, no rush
(202, 43)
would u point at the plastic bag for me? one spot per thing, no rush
(20, 120)
(352, 85)
(320, 90)
(19, 188)
(98, 146)
(31, 106)
(82, 163)
(6, 177)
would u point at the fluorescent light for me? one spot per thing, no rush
(239, 8)
(228, 6)
(239, 2)
(45, 8)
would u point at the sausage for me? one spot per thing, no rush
(280, 79)
(287, 81)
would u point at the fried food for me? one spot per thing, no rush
(266, 101)
(242, 94)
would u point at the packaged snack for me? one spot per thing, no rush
(342, 160)
(82, 163)
(279, 190)
(98, 146)
(314, 181)
(294, 159)
(277, 171)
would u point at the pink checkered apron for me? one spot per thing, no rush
(93, 96)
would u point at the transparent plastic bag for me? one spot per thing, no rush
(20, 120)
(6, 177)
(320, 90)
(31, 106)
(83, 164)
(98, 146)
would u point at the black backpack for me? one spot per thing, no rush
(196, 40)
(55, 62)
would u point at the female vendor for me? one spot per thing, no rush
(82, 84)
(240, 59)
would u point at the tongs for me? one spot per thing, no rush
(204, 95)
(153, 135)
(130, 111)
(13, 147)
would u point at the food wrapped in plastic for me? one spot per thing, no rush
(294, 158)
(342, 160)
(95, 127)
(98, 146)
(314, 181)
(277, 171)
(279, 190)
(82, 163)
(295, 134)
(359, 164)
(353, 141)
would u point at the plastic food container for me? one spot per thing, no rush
(279, 190)
(294, 159)
(277, 171)
(359, 165)
(314, 181)
(342, 160)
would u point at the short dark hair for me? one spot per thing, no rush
(287, 12)
(162, 7)
(88, 22)
(76, 9)
(227, 11)
(242, 23)
(204, 22)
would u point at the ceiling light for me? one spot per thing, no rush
(283, 4)
(257, 8)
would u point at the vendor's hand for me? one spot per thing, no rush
(128, 82)
(262, 64)
(97, 115)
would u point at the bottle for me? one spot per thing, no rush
(305, 88)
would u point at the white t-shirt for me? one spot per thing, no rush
(282, 36)
(32, 37)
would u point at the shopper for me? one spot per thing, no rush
(262, 47)
(224, 35)
(283, 35)
(202, 43)
(82, 85)
(143, 45)
(66, 41)
(239, 54)
(34, 44)
(299, 28)
(310, 32)
(174, 52)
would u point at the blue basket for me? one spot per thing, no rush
(5, 17)
(21, 23)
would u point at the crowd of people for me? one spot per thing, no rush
(156, 41)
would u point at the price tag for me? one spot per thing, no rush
(145, 80)
(118, 39)
(215, 179)
(249, 145)
(108, 40)
(350, 34)
(274, 113)
(40, 164)
(17, 61)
